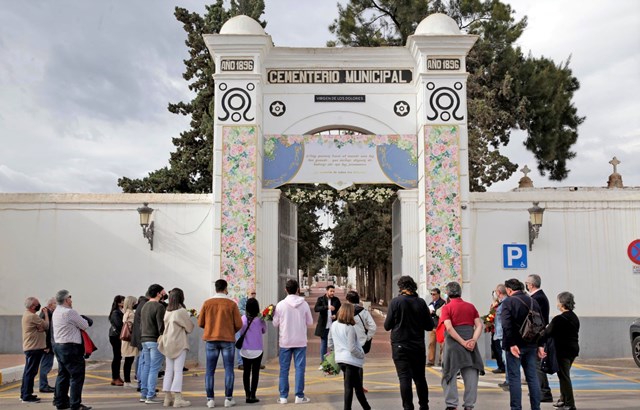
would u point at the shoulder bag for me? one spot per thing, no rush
(125, 334)
(366, 347)
(240, 341)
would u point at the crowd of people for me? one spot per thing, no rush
(155, 329)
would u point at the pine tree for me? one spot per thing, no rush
(190, 165)
(506, 90)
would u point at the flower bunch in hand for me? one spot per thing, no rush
(193, 312)
(489, 320)
(267, 313)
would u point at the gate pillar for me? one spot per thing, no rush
(440, 50)
(238, 53)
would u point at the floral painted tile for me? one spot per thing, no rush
(442, 203)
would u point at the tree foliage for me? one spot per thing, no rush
(506, 90)
(190, 165)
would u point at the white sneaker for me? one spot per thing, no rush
(211, 404)
(229, 402)
(302, 400)
(282, 400)
(320, 368)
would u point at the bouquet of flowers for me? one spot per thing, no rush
(329, 365)
(193, 312)
(489, 320)
(267, 313)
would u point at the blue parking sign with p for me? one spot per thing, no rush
(514, 256)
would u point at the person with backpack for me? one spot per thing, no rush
(517, 309)
(365, 325)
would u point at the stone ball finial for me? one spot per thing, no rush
(242, 25)
(615, 179)
(437, 24)
(525, 181)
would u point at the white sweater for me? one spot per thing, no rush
(344, 342)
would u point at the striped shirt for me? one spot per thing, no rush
(67, 324)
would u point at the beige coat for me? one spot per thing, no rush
(177, 324)
(127, 349)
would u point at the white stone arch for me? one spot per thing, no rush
(261, 89)
(325, 120)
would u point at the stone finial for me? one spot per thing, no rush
(525, 181)
(615, 179)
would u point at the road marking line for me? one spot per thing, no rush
(579, 366)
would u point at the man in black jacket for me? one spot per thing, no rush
(533, 284)
(408, 318)
(515, 309)
(328, 306)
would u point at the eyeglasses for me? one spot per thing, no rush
(434, 294)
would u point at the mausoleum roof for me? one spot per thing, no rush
(242, 25)
(437, 24)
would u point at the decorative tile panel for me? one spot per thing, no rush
(239, 211)
(442, 205)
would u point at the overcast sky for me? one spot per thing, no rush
(84, 85)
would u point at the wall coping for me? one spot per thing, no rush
(84, 198)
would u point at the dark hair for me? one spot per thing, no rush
(252, 308)
(407, 283)
(353, 297)
(176, 299)
(346, 314)
(436, 290)
(154, 290)
(116, 301)
(453, 290)
(292, 286)
(221, 285)
(330, 287)
(566, 300)
(513, 284)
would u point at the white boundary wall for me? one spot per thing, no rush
(92, 245)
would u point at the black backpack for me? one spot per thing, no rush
(533, 325)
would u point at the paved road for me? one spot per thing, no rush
(614, 385)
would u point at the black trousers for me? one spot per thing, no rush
(116, 346)
(353, 381)
(251, 375)
(71, 367)
(128, 362)
(496, 349)
(564, 377)
(410, 365)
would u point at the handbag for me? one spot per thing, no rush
(240, 340)
(87, 344)
(366, 347)
(549, 363)
(125, 333)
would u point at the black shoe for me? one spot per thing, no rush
(184, 369)
(83, 407)
(252, 400)
(47, 389)
(31, 399)
(497, 371)
(160, 374)
(241, 367)
(548, 399)
(504, 386)
(262, 366)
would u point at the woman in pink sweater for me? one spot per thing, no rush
(252, 328)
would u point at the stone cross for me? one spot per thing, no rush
(615, 164)
(525, 170)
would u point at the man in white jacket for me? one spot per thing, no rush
(292, 316)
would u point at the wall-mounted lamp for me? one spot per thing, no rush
(535, 222)
(147, 228)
